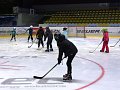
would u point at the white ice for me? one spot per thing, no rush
(90, 71)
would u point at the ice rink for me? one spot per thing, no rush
(91, 71)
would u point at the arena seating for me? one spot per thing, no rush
(85, 16)
(7, 20)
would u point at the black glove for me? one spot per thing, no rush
(44, 39)
(59, 60)
(102, 39)
(65, 56)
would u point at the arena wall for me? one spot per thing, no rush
(85, 32)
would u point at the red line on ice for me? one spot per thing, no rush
(10, 68)
(4, 62)
(100, 77)
(12, 65)
(1, 64)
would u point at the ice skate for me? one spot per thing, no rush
(47, 50)
(101, 51)
(51, 49)
(67, 77)
(106, 51)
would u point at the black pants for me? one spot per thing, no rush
(40, 40)
(69, 62)
(30, 36)
(49, 44)
(13, 36)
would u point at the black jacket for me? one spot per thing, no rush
(30, 31)
(40, 33)
(66, 47)
(49, 35)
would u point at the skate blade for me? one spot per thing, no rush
(38, 48)
(67, 80)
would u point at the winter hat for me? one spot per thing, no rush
(14, 27)
(64, 28)
(56, 36)
(104, 30)
(47, 27)
(40, 27)
(31, 26)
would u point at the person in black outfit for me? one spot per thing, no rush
(39, 36)
(49, 35)
(69, 49)
(30, 33)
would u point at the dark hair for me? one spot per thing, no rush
(64, 29)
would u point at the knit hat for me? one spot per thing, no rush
(104, 30)
(64, 28)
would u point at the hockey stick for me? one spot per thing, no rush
(32, 43)
(37, 77)
(95, 48)
(115, 44)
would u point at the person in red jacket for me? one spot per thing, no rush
(105, 40)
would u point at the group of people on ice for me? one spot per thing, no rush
(65, 47)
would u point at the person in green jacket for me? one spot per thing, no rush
(13, 34)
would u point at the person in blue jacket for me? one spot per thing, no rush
(65, 32)
(30, 33)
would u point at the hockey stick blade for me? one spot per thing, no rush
(47, 72)
(96, 47)
(90, 52)
(116, 43)
(112, 46)
(32, 43)
(36, 77)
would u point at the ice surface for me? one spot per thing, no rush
(91, 71)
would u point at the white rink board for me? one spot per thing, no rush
(72, 31)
